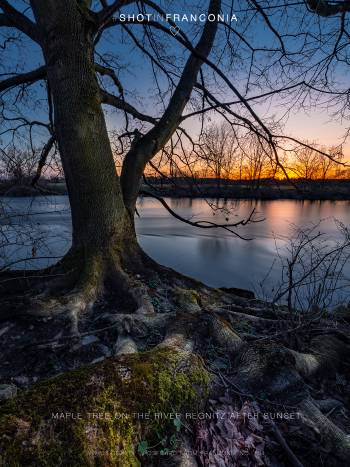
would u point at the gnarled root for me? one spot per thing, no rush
(223, 334)
(328, 352)
(261, 369)
(330, 433)
(73, 286)
(179, 335)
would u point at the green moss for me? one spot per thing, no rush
(187, 298)
(149, 383)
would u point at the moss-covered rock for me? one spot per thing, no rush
(96, 416)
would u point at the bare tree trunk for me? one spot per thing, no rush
(148, 145)
(98, 214)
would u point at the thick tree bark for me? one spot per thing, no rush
(98, 215)
(104, 251)
(101, 216)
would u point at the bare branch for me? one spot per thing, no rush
(24, 78)
(20, 21)
(202, 58)
(103, 70)
(43, 158)
(268, 22)
(4, 21)
(104, 15)
(119, 103)
(156, 138)
(206, 224)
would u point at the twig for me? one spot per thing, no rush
(283, 443)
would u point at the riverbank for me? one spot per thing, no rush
(125, 390)
(208, 188)
(263, 189)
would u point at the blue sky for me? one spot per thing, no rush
(135, 71)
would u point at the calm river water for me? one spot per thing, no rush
(214, 256)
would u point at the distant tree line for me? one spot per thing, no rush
(222, 154)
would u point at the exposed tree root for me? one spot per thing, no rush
(72, 290)
(334, 436)
(223, 334)
(247, 316)
(192, 323)
(328, 352)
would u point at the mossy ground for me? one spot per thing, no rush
(160, 381)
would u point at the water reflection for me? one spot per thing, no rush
(218, 258)
(213, 256)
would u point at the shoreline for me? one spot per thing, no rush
(316, 190)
